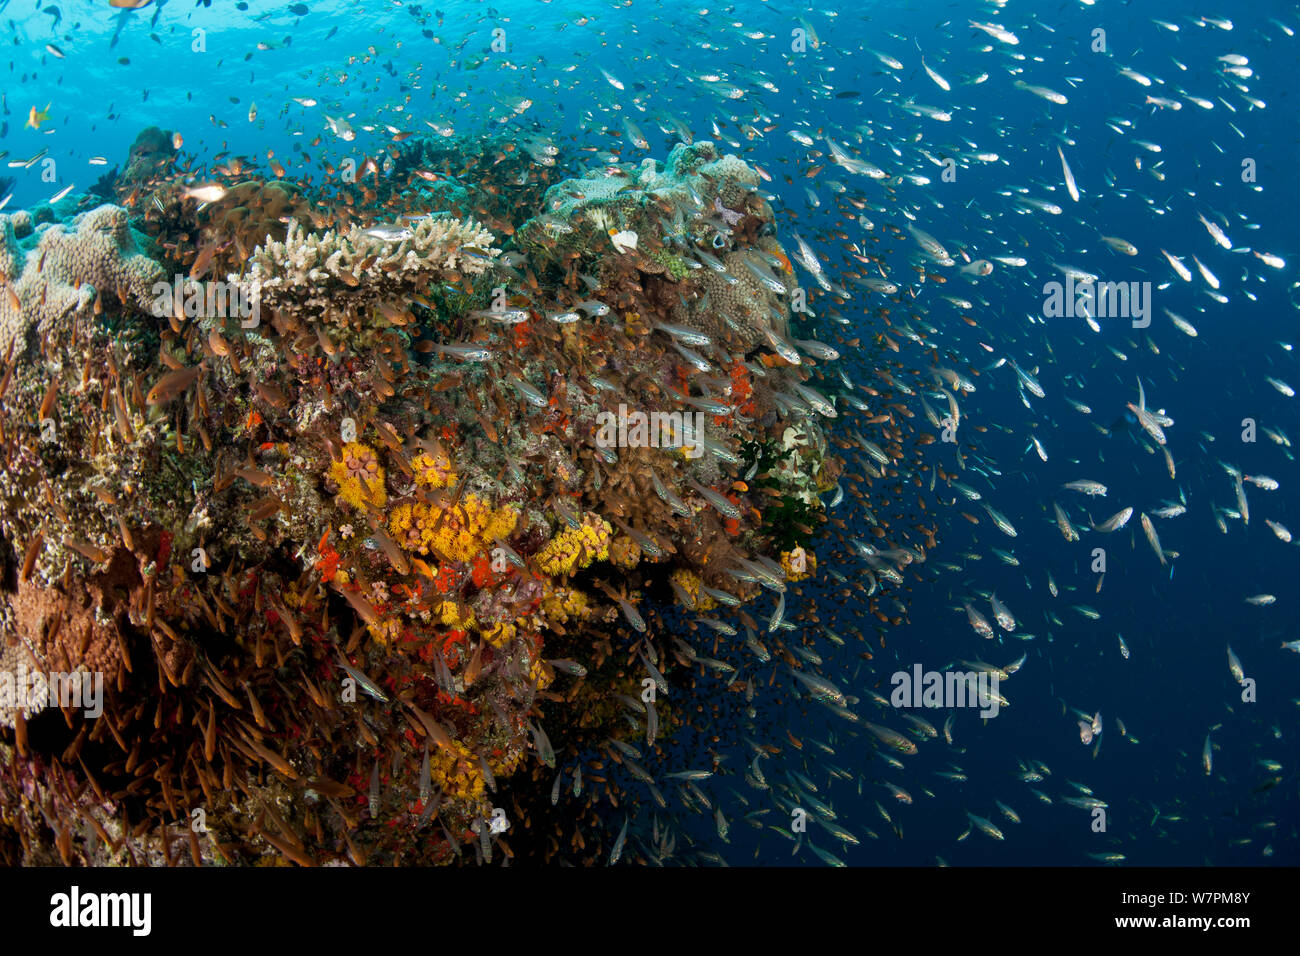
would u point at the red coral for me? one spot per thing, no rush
(451, 647)
(742, 389)
(446, 579)
(164, 548)
(732, 525)
(482, 574)
(328, 563)
(451, 700)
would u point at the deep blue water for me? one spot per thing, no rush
(1176, 685)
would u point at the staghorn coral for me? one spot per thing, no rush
(69, 270)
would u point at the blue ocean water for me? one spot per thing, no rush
(405, 65)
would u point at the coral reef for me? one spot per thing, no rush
(360, 576)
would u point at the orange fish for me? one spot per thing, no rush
(36, 117)
(172, 384)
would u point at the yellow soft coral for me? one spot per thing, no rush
(359, 476)
(384, 631)
(432, 471)
(499, 635)
(561, 603)
(689, 582)
(456, 533)
(453, 617)
(792, 560)
(576, 547)
(624, 553)
(456, 771)
(541, 674)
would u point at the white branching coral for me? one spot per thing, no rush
(342, 278)
(69, 268)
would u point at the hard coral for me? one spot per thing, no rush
(467, 651)
(69, 270)
(151, 155)
(355, 279)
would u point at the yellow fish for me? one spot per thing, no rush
(36, 117)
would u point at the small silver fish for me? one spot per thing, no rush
(466, 353)
(566, 666)
(686, 336)
(723, 506)
(389, 232)
(364, 682)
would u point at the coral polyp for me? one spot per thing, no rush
(576, 548)
(359, 476)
